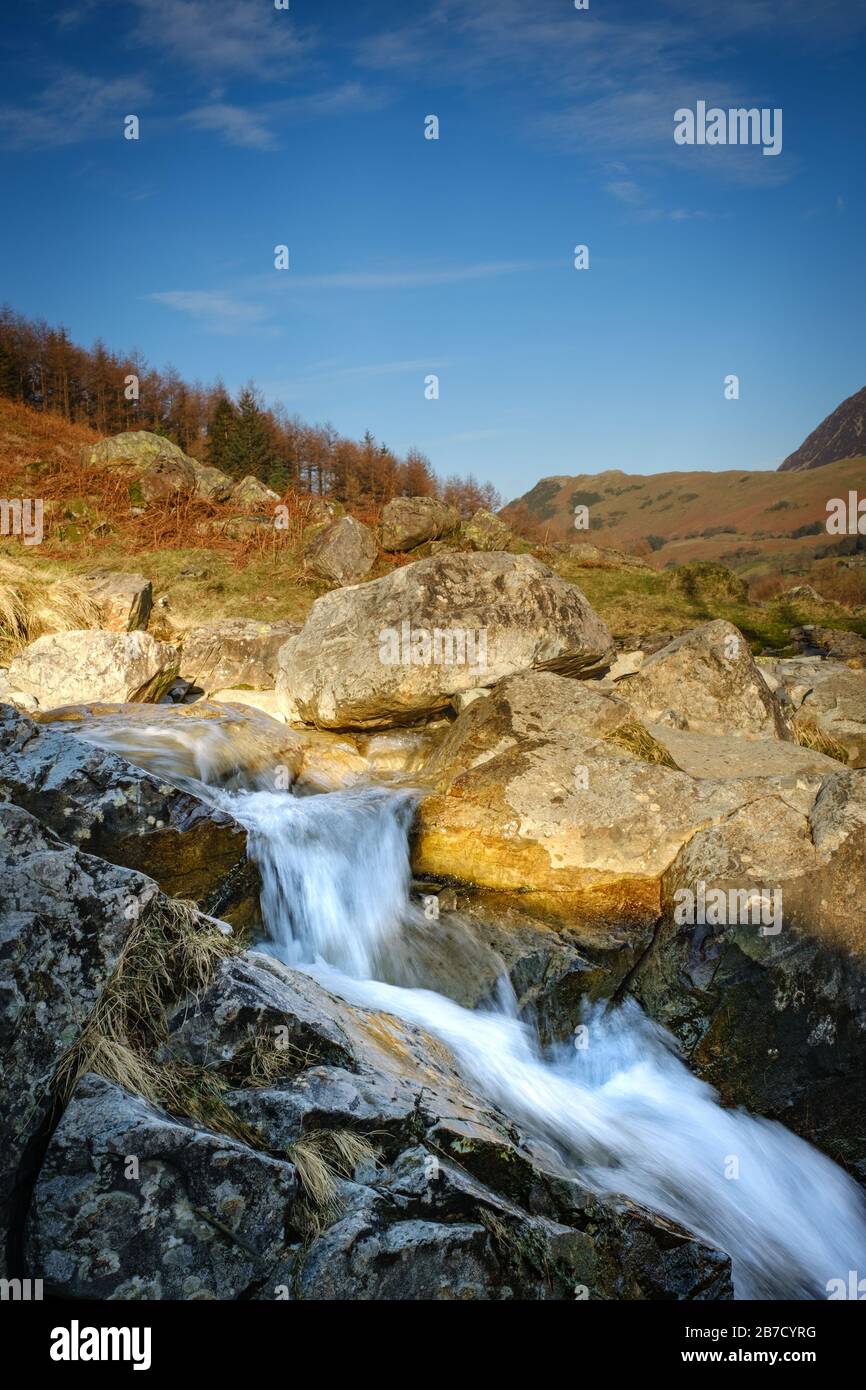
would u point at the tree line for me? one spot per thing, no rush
(42, 367)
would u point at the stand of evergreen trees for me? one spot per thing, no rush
(42, 367)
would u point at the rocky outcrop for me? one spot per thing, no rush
(399, 649)
(124, 600)
(439, 1198)
(65, 919)
(551, 789)
(344, 551)
(842, 435)
(103, 804)
(588, 556)
(408, 522)
(64, 668)
(250, 494)
(768, 998)
(709, 680)
(234, 653)
(199, 1216)
(836, 643)
(156, 467)
(835, 705)
(484, 531)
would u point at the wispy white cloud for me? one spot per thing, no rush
(257, 127)
(73, 15)
(238, 125)
(251, 302)
(219, 311)
(299, 387)
(411, 278)
(246, 37)
(72, 108)
(600, 81)
(639, 201)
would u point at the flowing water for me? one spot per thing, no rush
(626, 1113)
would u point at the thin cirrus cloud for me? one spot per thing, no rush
(237, 125)
(240, 38)
(639, 201)
(605, 85)
(72, 108)
(232, 311)
(299, 388)
(413, 278)
(218, 311)
(252, 127)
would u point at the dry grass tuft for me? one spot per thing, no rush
(321, 1158)
(30, 608)
(635, 739)
(172, 951)
(809, 735)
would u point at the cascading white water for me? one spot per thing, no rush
(625, 1112)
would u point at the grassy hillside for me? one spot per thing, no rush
(770, 527)
(207, 561)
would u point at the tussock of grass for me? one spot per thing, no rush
(809, 735)
(262, 1061)
(30, 608)
(172, 951)
(321, 1158)
(634, 738)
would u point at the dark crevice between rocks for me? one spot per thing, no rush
(24, 1186)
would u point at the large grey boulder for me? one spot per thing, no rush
(234, 653)
(64, 919)
(399, 649)
(195, 1215)
(550, 788)
(708, 679)
(410, 521)
(158, 467)
(722, 756)
(250, 493)
(211, 483)
(124, 600)
(343, 552)
(768, 1000)
(66, 668)
(484, 531)
(105, 805)
(835, 704)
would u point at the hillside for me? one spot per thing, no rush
(757, 523)
(841, 436)
(211, 560)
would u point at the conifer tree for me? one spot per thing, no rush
(219, 432)
(249, 448)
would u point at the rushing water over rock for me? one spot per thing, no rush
(623, 1110)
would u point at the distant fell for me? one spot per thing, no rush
(841, 436)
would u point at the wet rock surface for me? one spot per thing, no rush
(105, 805)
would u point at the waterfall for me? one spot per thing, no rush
(625, 1112)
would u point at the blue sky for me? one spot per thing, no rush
(454, 257)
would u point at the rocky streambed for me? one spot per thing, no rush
(416, 1008)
